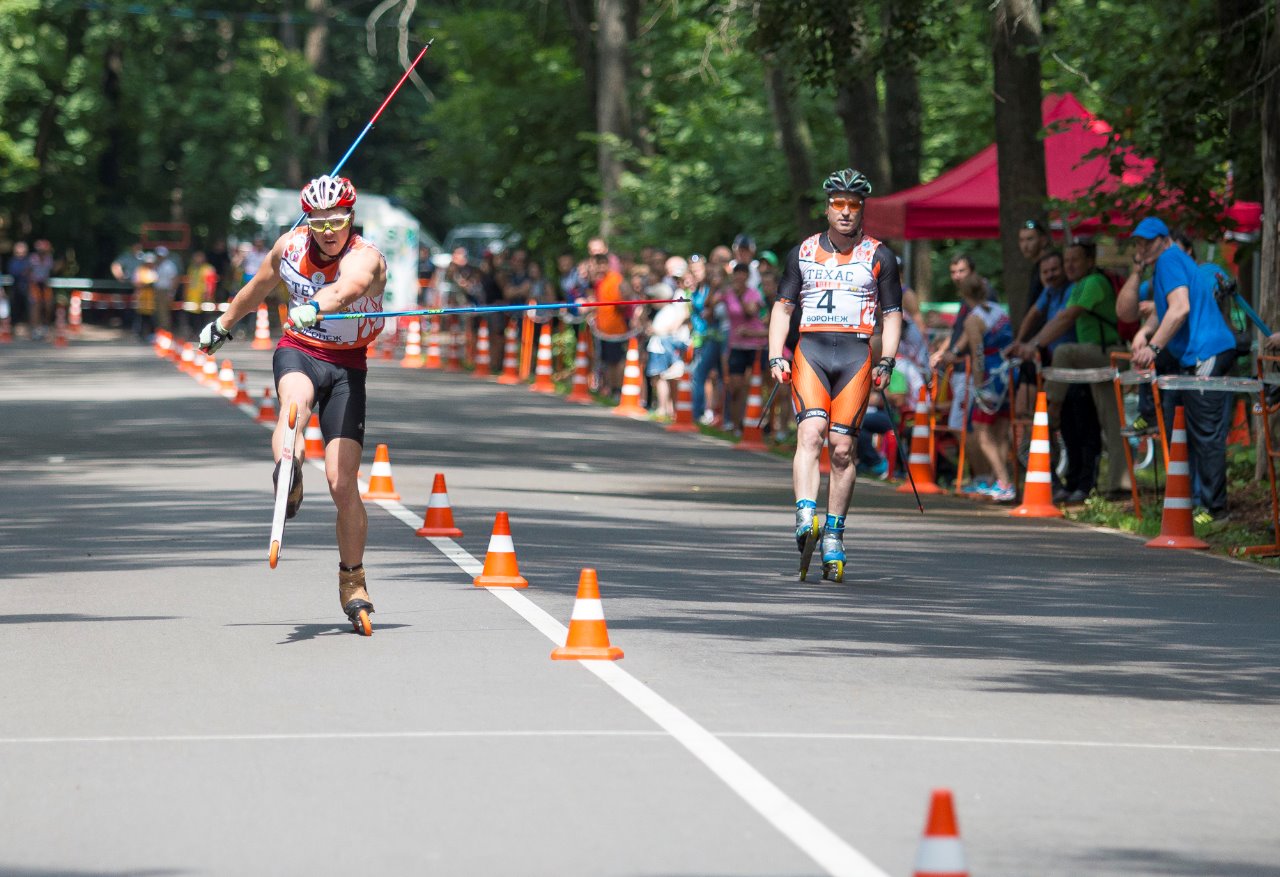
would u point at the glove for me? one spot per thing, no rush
(304, 316)
(883, 371)
(783, 367)
(213, 336)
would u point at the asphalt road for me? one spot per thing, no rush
(173, 706)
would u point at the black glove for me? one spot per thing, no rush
(883, 371)
(213, 336)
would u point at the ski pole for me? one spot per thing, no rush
(768, 402)
(1252, 315)
(493, 309)
(902, 460)
(369, 127)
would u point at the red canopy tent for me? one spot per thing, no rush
(965, 203)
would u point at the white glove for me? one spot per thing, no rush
(213, 336)
(304, 316)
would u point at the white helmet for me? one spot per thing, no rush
(325, 192)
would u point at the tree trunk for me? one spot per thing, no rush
(316, 47)
(796, 145)
(1269, 294)
(902, 113)
(292, 117)
(612, 109)
(109, 176)
(858, 106)
(1020, 152)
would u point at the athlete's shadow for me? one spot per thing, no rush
(306, 632)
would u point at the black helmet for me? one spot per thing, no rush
(847, 180)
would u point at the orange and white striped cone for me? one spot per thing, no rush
(453, 349)
(752, 432)
(227, 380)
(6, 329)
(588, 637)
(381, 485)
(1177, 529)
(433, 345)
(1037, 490)
(1239, 433)
(510, 359)
(630, 405)
(242, 396)
(389, 345)
(940, 853)
(262, 330)
(438, 520)
(266, 409)
(920, 461)
(484, 366)
(683, 421)
(413, 344)
(314, 438)
(187, 359)
(209, 373)
(60, 327)
(580, 391)
(824, 459)
(500, 567)
(164, 340)
(75, 317)
(542, 382)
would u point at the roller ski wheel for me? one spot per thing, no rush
(274, 556)
(358, 611)
(809, 543)
(833, 555)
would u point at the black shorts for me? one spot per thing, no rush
(831, 378)
(339, 392)
(741, 360)
(612, 352)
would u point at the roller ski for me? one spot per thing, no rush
(833, 555)
(807, 534)
(288, 488)
(355, 599)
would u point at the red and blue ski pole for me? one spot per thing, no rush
(491, 309)
(369, 127)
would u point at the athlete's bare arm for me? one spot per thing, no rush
(255, 292)
(362, 272)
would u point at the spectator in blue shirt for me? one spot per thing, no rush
(1189, 325)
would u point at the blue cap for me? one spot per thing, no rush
(1150, 228)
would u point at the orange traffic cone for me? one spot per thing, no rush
(581, 389)
(227, 380)
(484, 366)
(920, 460)
(500, 567)
(75, 316)
(630, 404)
(1037, 490)
(6, 327)
(824, 459)
(588, 638)
(413, 345)
(752, 433)
(940, 853)
(1177, 529)
(433, 345)
(439, 517)
(381, 486)
(314, 438)
(684, 405)
(60, 327)
(209, 373)
(542, 382)
(162, 343)
(187, 359)
(266, 410)
(242, 391)
(453, 345)
(510, 359)
(1239, 434)
(262, 330)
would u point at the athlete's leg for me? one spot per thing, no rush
(810, 434)
(341, 466)
(844, 474)
(293, 388)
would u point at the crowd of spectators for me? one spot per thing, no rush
(717, 331)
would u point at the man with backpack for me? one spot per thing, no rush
(1091, 311)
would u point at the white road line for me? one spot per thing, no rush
(996, 741)
(794, 822)
(336, 735)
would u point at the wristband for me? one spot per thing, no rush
(888, 363)
(1155, 349)
(778, 362)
